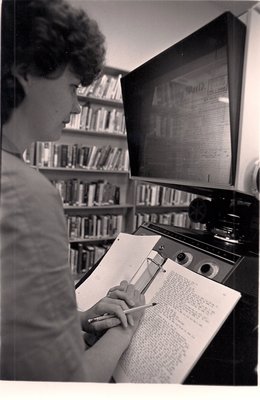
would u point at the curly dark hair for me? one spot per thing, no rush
(43, 37)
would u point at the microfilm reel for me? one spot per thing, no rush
(200, 210)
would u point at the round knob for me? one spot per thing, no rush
(205, 268)
(182, 258)
(208, 269)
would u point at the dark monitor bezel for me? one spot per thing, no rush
(226, 30)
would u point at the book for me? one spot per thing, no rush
(172, 336)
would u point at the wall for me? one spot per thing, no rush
(138, 30)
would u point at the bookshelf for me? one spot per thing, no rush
(162, 205)
(89, 168)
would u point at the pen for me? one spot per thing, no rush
(128, 311)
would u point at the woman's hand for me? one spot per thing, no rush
(130, 295)
(118, 299)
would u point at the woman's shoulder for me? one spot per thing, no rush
(25, 181)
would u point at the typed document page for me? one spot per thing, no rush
(173, 335)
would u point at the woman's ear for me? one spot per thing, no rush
(23, 76)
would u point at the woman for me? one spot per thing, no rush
(48, 49)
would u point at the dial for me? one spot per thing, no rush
(183, 258)
(208, 269)
(205, 268)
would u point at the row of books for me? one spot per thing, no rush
(172, 218)
(94, 226)
(84, 257)
(105, 87)
(75, 192)
(163, 126)
(172, 94)
(99, 119)
(155, 195)
(106, 158)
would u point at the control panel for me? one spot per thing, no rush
(211, 258)
(231, 358)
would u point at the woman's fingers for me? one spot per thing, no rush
(139, 300)
(119, 299)
(106, 324)
(107, 304)
(114, 307)
(132, 300)
(124, 291)
(123, 286)
(118, 294)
